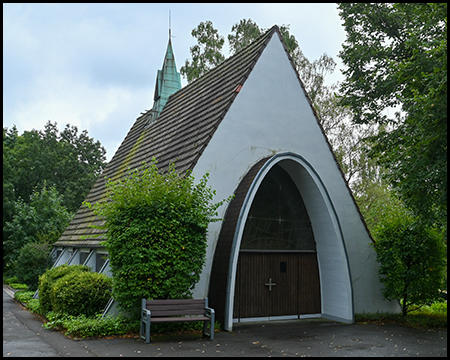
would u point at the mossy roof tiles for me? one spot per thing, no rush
(179, 135)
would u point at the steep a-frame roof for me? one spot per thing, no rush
(179, 135)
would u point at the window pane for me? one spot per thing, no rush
(83, 257)
(278, 219)
(100, 260)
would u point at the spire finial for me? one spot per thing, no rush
(170, 35)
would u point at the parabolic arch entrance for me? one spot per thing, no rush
(317, 265)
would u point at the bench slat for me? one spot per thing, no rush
(175, 306)
(180, 319)
(176, 301)
(176, 312)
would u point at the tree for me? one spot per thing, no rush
(206, 54)
(34, 259)
(156, 233)
(68, 160)
(242, 34)
(396, 56)
(9, 141)
(411, 257)
(43, 216)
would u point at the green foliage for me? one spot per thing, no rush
(377, 203)
(242, 34)
(156, 233)
(82, 326)
(412, 260)
(26, 297)
(67, 161)
(9, 196)
(396, 58)
(34, 259)
(81, 293)
(33, 306)
(49, 278)
(433, 316)
(10, 280)
(19, 286)
(206, 54)
(23, 295)
(44, 214)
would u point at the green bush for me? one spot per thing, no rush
(412, 261)
(43, 214)
(33, 306)
(11, 280)
(156, 233)
(19, 286)
(26, 297)
(83, 326)
(48, 279)
(23, 295)
(81, 293)
(427, 317)
(34, 259)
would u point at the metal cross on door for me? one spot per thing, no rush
(270, 284)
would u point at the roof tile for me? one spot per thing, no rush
(179, 135)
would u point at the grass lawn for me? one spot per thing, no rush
(427, 317)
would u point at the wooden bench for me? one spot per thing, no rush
(158, 311)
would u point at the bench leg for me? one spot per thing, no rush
(144, 332)
(211, 327)
(147, 332)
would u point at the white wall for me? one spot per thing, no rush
(269, 116)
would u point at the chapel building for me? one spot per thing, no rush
(292, 243)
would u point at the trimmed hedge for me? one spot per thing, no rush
(81, 293)
(49, 278)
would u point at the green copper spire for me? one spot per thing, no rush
(168, 81)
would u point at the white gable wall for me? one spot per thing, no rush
(271, 116)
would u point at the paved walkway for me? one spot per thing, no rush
(23, 335)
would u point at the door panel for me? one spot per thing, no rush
(309, 284)
(276, 284)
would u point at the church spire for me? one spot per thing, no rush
(168, 80)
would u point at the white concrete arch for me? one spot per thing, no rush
(335, 279)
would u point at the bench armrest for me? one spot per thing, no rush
(209, 312)
(146, 314)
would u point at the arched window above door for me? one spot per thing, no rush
(278, 219)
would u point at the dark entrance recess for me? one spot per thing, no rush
(277, 271)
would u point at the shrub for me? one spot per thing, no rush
(33, 306)
(19, 286)
(156, 233)
(11, 280)
(23, 295)
(44, 214)
(78, 293)
(412, 261)
(34, 259)
(83, 326)
(48, 279)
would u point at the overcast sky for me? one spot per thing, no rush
(94, 65)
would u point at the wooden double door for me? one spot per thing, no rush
(276, 284)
